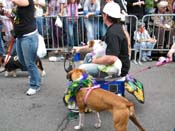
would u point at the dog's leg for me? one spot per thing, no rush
(98, 120)
(120, 119)
(14, 73)
(6, 73)
(81, 122)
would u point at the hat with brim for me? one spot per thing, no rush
(112, 9)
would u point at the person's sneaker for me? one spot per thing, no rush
(135, 62)
(139, 62)
(148, 58)
(32, 91)
(143, 59)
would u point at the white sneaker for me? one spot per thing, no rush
(32, 91)
(135, 62)
(140, 63)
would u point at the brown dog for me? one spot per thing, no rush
(100, 100)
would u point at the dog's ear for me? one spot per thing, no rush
(91, 43)
(69, 75)
(1, 60)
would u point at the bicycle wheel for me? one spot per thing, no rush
(69, 64)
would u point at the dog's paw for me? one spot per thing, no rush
(77, 127)
(14, 75)
(97, 125)
(43, 73)
(6, 73)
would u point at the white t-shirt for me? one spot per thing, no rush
(39, 9)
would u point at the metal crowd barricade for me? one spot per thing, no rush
(56, 37)
(164, 37)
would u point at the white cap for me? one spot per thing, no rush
(112, 9)
(162, 3)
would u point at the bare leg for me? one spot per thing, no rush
(81, 122)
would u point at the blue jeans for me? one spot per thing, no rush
(91, 25)
(26, 48)
(144, 45)
(39, 22)
(1, 42)
(90, 68)
(72, 30)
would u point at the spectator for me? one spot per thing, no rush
(52, 10)
(8, 27)
(39, 11)
(149, 7)
(72, 8)
(163, 24)
(27, 41)
(143, 41)
(117, 46)
(63, 13)
(137, 8)
(91, 9)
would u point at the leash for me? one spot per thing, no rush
(69, 116)
(158, 64)
(9, 50)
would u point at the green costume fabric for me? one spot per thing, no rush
(75, 86)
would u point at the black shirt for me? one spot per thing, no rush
(24, 21)
(117, 45)
(135, 10)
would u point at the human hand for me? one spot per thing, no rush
(170, 53)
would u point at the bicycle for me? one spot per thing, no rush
(69, 62)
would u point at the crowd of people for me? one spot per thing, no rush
(26, 19)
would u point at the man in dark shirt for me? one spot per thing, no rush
(115, 38)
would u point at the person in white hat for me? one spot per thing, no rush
(117, 46)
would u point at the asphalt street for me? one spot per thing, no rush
(45, 110)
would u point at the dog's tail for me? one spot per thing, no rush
(133, 118)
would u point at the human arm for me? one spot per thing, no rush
(85, 48)
(88, 12)
(62, 6)
(105, 60)
(41, 3)
(130, 3)
(171, 51)
(21, 2)
(47, 11)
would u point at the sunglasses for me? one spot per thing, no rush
(164, 7)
